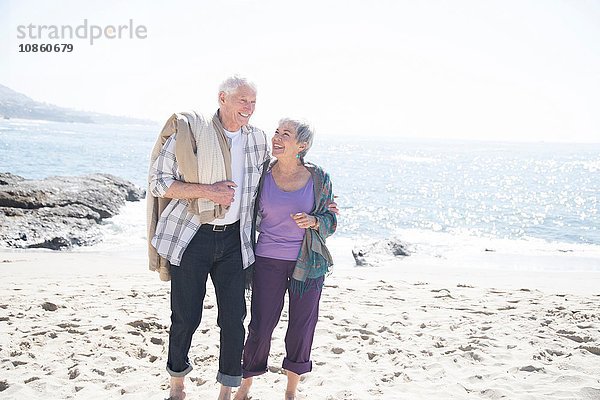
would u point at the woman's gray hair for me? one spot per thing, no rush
(304, 134)
(235, 82)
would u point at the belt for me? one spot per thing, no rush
(220, 228)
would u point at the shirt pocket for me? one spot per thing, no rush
(253, 175)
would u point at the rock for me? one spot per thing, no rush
(383, 250)
(6, 178)
(59, 212)
(58, 243)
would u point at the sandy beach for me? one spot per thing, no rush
(94, 324)
(461, 139)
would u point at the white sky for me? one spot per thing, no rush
(497, 70)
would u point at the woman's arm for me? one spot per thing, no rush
(324, 220)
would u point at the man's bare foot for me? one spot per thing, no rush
(290, 395)
(177, 387)
(225, 393)
(244, 389)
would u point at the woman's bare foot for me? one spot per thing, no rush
(244, 389)
(290, 395)
(225, 393)
(292, 384)
(177, 387)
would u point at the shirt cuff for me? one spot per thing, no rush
(159, 187)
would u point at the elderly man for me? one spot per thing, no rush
(209, 168)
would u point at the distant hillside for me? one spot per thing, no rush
(17, 105)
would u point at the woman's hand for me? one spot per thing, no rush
(305, 221)
(333, 207)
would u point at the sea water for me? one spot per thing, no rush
(435, 194)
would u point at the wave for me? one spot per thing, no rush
(127, 232)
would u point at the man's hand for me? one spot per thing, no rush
(333, 207)
(222, 192)
(219, 192)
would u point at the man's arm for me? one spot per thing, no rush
(166, 181)
(220, 192)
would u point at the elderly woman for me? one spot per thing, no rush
(295, 218)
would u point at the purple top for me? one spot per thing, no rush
(280, 237)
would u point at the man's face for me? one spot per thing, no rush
(236, 108)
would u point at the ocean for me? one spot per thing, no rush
(434, 194)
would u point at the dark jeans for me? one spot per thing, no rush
(270, 282)
(218, 254)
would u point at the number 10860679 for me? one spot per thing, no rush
(45, 48)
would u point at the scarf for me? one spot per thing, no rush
(314, 259)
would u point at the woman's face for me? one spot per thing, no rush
(284, 144)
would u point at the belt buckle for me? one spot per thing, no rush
(219, 228)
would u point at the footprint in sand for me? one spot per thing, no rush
(576, 338)
(592, 349)
(590, 393)
(158, 341)
(443, 293)
(17, 363)
(73, 373)
(507, 308)
(146, 326)
(344, 394)
(198, 381)
(199, 360)
(531, 368)
(472, 356)
(276, 370)
(384, 329)
(585, 326)
(47, 306)
(387, 378)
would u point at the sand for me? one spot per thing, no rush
(94, 325)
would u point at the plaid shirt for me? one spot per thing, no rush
(176, 226)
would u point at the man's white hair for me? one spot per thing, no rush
(233, 83)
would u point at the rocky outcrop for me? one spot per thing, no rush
(59, 212)
(377, 252)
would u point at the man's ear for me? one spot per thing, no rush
(222, 98)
